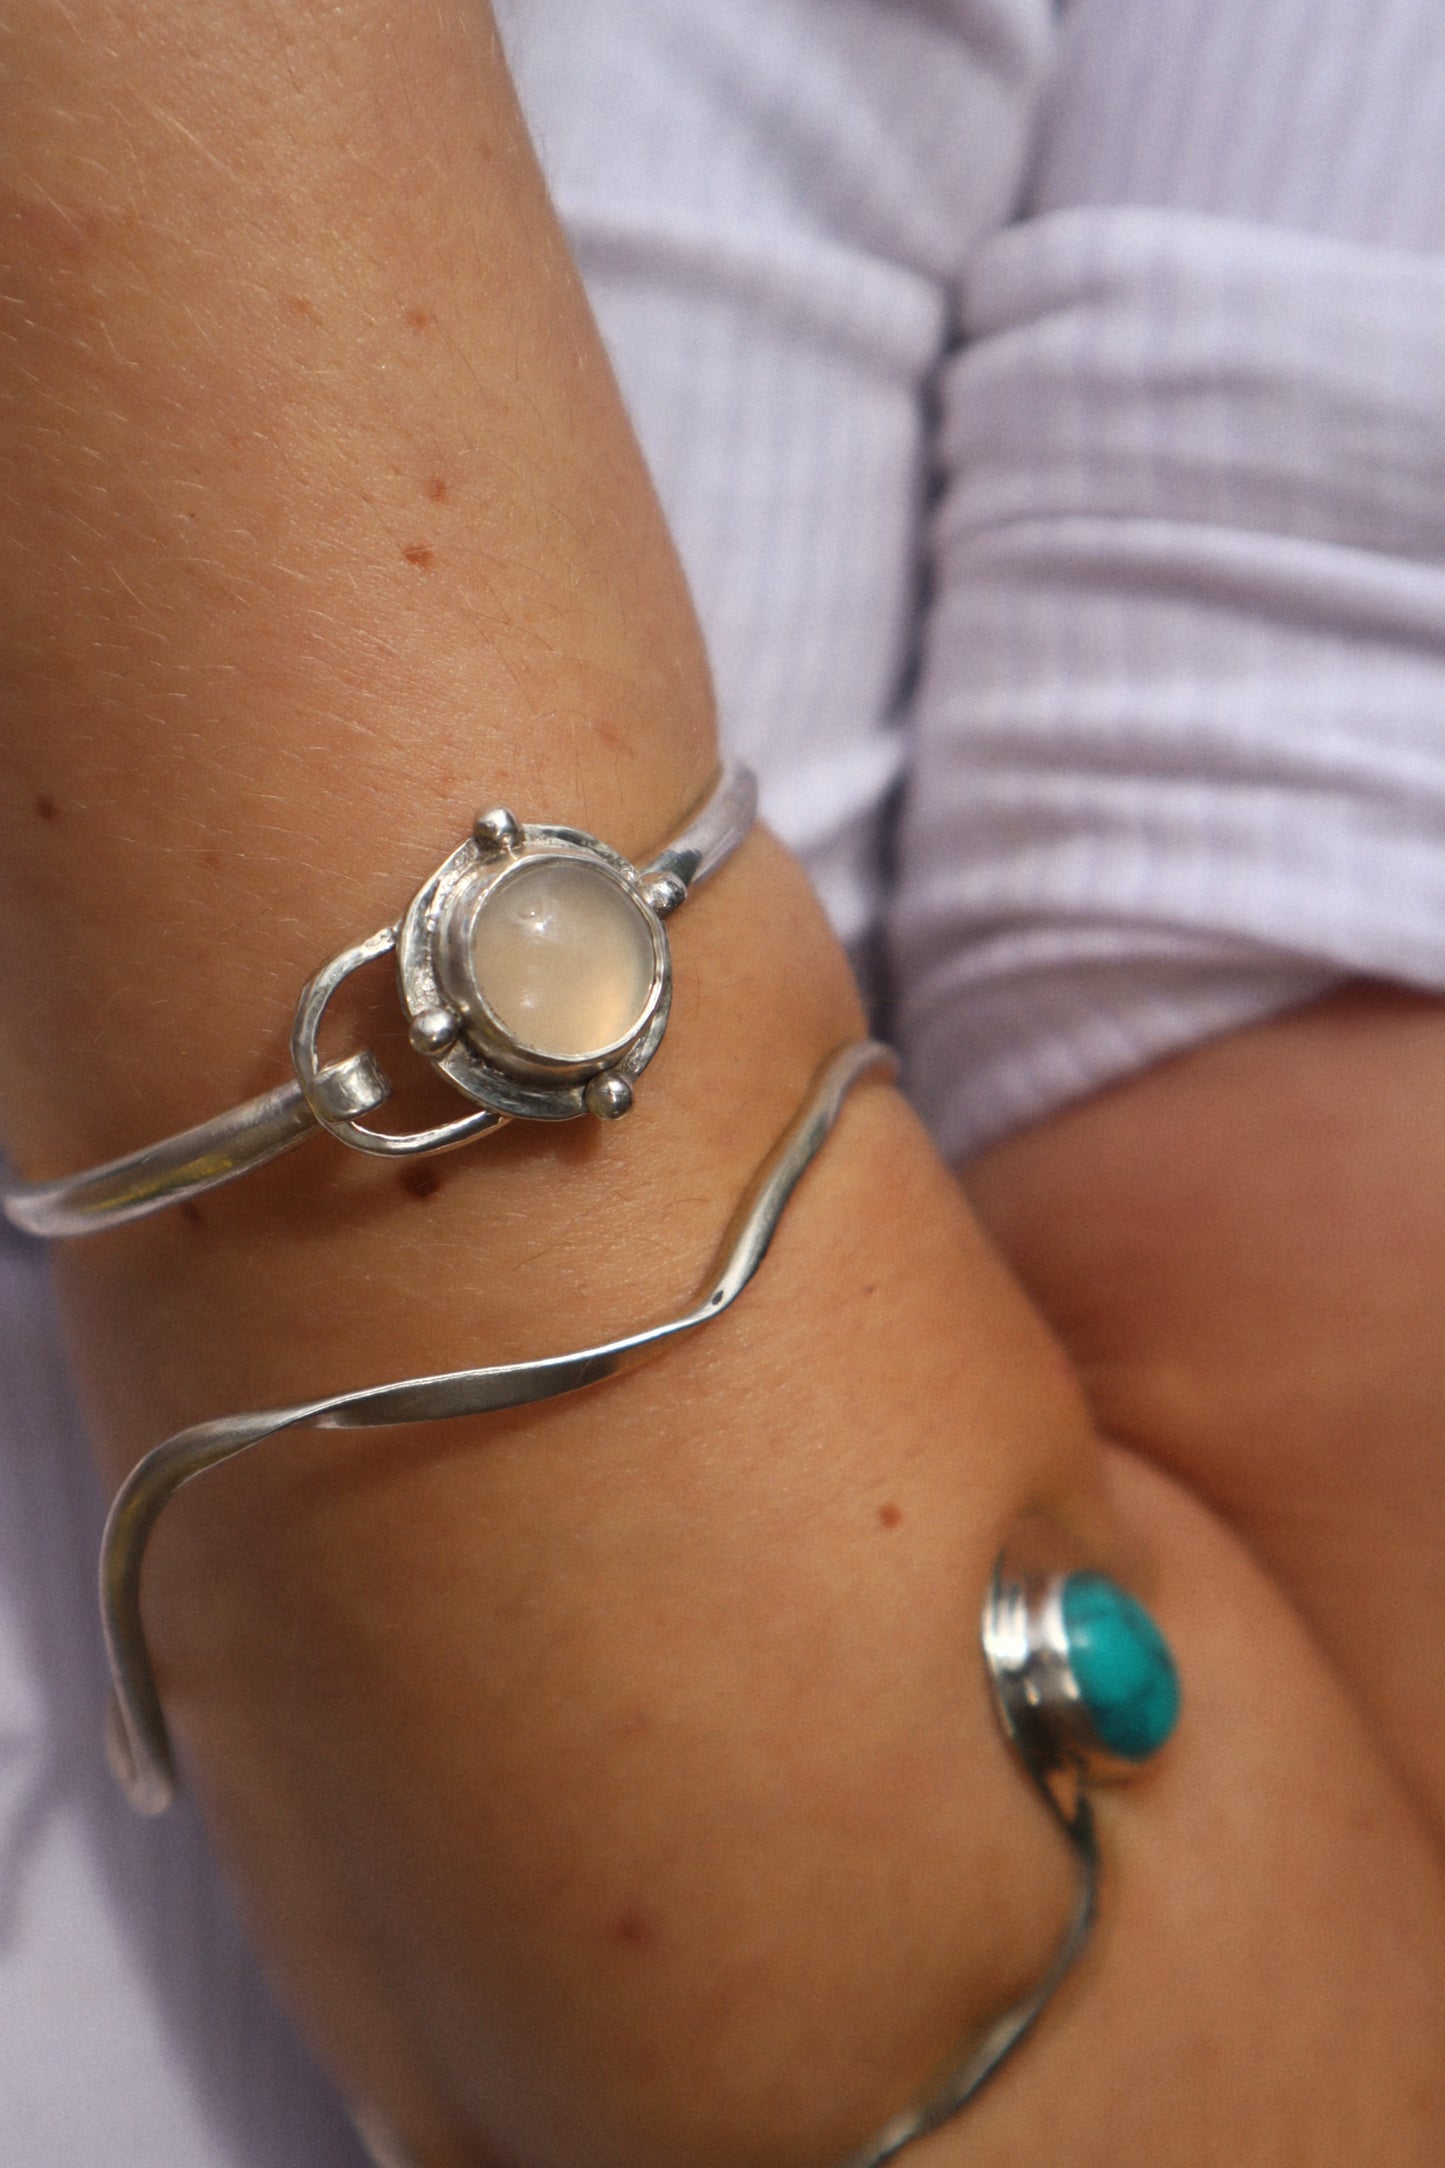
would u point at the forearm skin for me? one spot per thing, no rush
(538, 1743)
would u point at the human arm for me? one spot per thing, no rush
(619, 1782)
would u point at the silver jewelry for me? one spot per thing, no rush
(1082, 1680)
(137, 1737)
(534, 974)
(1086, 1691)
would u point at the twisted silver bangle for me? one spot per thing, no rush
(543, 1044)
(137, 1738)
(1071, 1720)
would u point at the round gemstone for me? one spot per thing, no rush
(563, 959)
(1123, 1666)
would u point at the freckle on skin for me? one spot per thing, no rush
(436, 489)
(633, 1927)
(46, 807)
(299, 305)
(890, 1515)
(420, 319)
(420, 1182)
(420, 554)
(192, 1212)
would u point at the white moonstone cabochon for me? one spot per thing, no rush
(563, 958)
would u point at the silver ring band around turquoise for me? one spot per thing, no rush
(534, 974)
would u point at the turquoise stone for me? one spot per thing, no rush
(1123, 1666)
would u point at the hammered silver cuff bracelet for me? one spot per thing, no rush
(533, 972)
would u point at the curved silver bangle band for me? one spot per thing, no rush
(485, 1053)
(137, 1736)
(138, 1741)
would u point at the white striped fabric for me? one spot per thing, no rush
(1179, 749)
(1154, 301)
(771, 201)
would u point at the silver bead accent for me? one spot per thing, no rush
(433, 1031)
(664, 892)
(609, 1097)
(496, 830)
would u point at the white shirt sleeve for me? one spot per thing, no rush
(1178, 752)
(771, 202)
(1153, 301)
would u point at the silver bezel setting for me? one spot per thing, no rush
(433, 942)
(1026, 1653)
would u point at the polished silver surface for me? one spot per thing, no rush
(433, 969)
(164, 1174)
(497, 830)
(608, 1097)
(501, 1082)
(1026, 1644)
(433, 1031)
(664, 891)
(312, 1074)
(137, 1738)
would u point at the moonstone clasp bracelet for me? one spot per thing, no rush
(534, 974)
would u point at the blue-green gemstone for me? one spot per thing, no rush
(1122, 1664)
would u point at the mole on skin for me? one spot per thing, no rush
(633, 1927)
(420, 1182)
(420, 554)
(890, 1515)
(46, 807)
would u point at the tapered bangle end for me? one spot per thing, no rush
(149, 1787)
